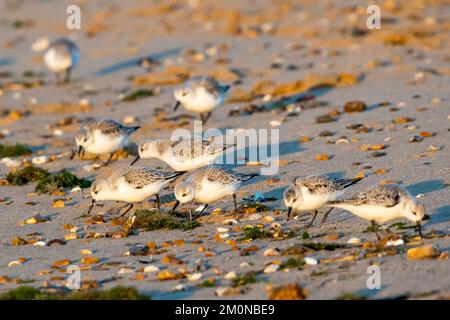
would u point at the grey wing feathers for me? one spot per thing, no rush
(141, 177)
(63, 45)
(210, 84)
(219, 148)
(323, 184)
(109, 127)
(189, 149)
(387, 196)
(213, 174)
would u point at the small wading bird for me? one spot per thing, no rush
(201, 95)
(382, 204)
(102, 137)
(312, 192)
(208, 185)
(182, 155)
(131, 185)
(61, 57)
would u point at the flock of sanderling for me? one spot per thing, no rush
(204, 182)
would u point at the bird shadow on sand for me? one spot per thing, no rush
(275, 193)
(136, 61)
(337, 174)
(268, 154)
(367, 293)
(173, 295)
(425, 187)
(441, 215)
(303, 97)
(5, 61)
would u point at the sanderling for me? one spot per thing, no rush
(209, 184)
(102, 136)
(382, 204)
(61, 57)
(131, 185)
(182, 155)
(312, 192)
(201, 95)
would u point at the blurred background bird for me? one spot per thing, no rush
(61, 57)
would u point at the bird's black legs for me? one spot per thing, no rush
(375, 229)
(95, 159)
(67, 74)
(109, 159)
(203, 210)
(57, 78)
(208, 115)
(199, 214)
(326, 216)
(419, 229)
(235, 203)
(158, 201)
(126, 211)
(91, 206)
(315, 212)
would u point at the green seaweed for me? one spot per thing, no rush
(256, 233)
(156, 220)
(138, 94)
(317, 273)
(293, 263)
(208, 283)
(323, 246)
(61, 180)
(14, 150)
(305, 235)
(350, 296)
(31, 293)
(258, 206)
(402, 226)
(46, 181)
(26, 175)
(371, 228)
(244, 279)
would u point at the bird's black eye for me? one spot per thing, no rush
(184, 195)
(96, 192)
(184, 93)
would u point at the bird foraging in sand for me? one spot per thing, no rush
(61, 58)
(102, 137)
(208, 185)
(201, 95)
(382, 204)
(131, 185)
(312, 192)
(182, 155)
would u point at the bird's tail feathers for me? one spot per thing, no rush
(174, 175)
(245, 177)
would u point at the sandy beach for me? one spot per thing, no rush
(292, 66)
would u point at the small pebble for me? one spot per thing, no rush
(230, 275)
(354, 241)
(394, 243)
(180, 287)
(271, 268)
(151, 268)
(310, 261)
